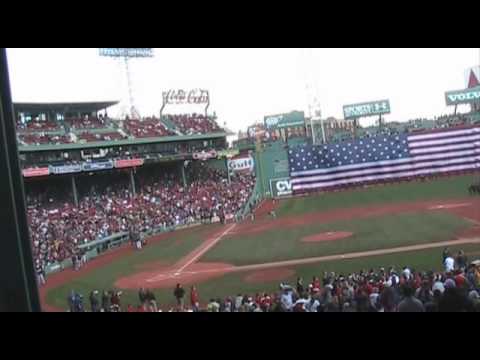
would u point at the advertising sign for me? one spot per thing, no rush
(241, 164)
(280, 187)
(466, 96)
(65, 169)
(205, 155)
(126, 52)
(182, 97)
(101, 165)
(292, 119)
(128, 163)
(36, 172)
(229, 153)
(355, 111)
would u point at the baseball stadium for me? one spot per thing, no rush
(300, 213)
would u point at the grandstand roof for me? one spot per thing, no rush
(65, 106)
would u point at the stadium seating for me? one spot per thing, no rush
(194, 124)
(42, 139)
(146, 128)
(89, 122)
(92, 137)
(57, 227)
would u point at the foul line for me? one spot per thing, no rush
(208, 246)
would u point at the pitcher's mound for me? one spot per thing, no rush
(328, 236)
(268, 275)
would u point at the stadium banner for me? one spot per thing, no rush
(126, 52)
(281, 187)
(128, 163)
(372, 108)
(101, 165)
(465, 96)
(65, 169)
(183, 97)
(205, 155)
(241, 164)
(292, 119)
(32, 172)
(230, 153)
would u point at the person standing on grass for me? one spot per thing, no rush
(105, 301)
(449, 264)
(445, 254)
(94, 304)
(142, 297)
(194, 302)
(461, 260)
(300, 287)
(39, 269)
(179, 294)
(151, 300)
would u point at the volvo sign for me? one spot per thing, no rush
(466, 96)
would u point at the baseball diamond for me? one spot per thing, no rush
(298, 212)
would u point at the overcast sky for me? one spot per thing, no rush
(247, 84)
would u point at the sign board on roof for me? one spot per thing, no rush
(126, 52)
(466, 96)
(356, 111)
(182, 97)
(292, 119)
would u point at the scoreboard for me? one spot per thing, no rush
(355, 111)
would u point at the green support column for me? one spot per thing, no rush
(74, 191)
(228, 170)
(184, 178)
(132, 181)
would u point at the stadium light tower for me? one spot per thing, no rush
(127, 54)
(312, 93)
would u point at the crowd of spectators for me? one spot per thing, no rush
(107, 206)
(192, 124)
(43, 138)
(37, 125)
(95, 136)
(455, 289)
(149, 127)
(87, 122)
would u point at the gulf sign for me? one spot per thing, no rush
(241, 164)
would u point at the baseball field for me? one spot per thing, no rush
(391, 225)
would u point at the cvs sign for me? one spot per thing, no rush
(281, 187)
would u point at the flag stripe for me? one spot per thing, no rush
(383, 158)
(385, 170)
(386, 176)
(380, 164)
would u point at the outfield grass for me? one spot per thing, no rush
(368, 234)
(167, 251)
(444, 188)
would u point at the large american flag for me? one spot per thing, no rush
(383, 158)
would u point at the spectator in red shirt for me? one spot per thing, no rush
(194, 298)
